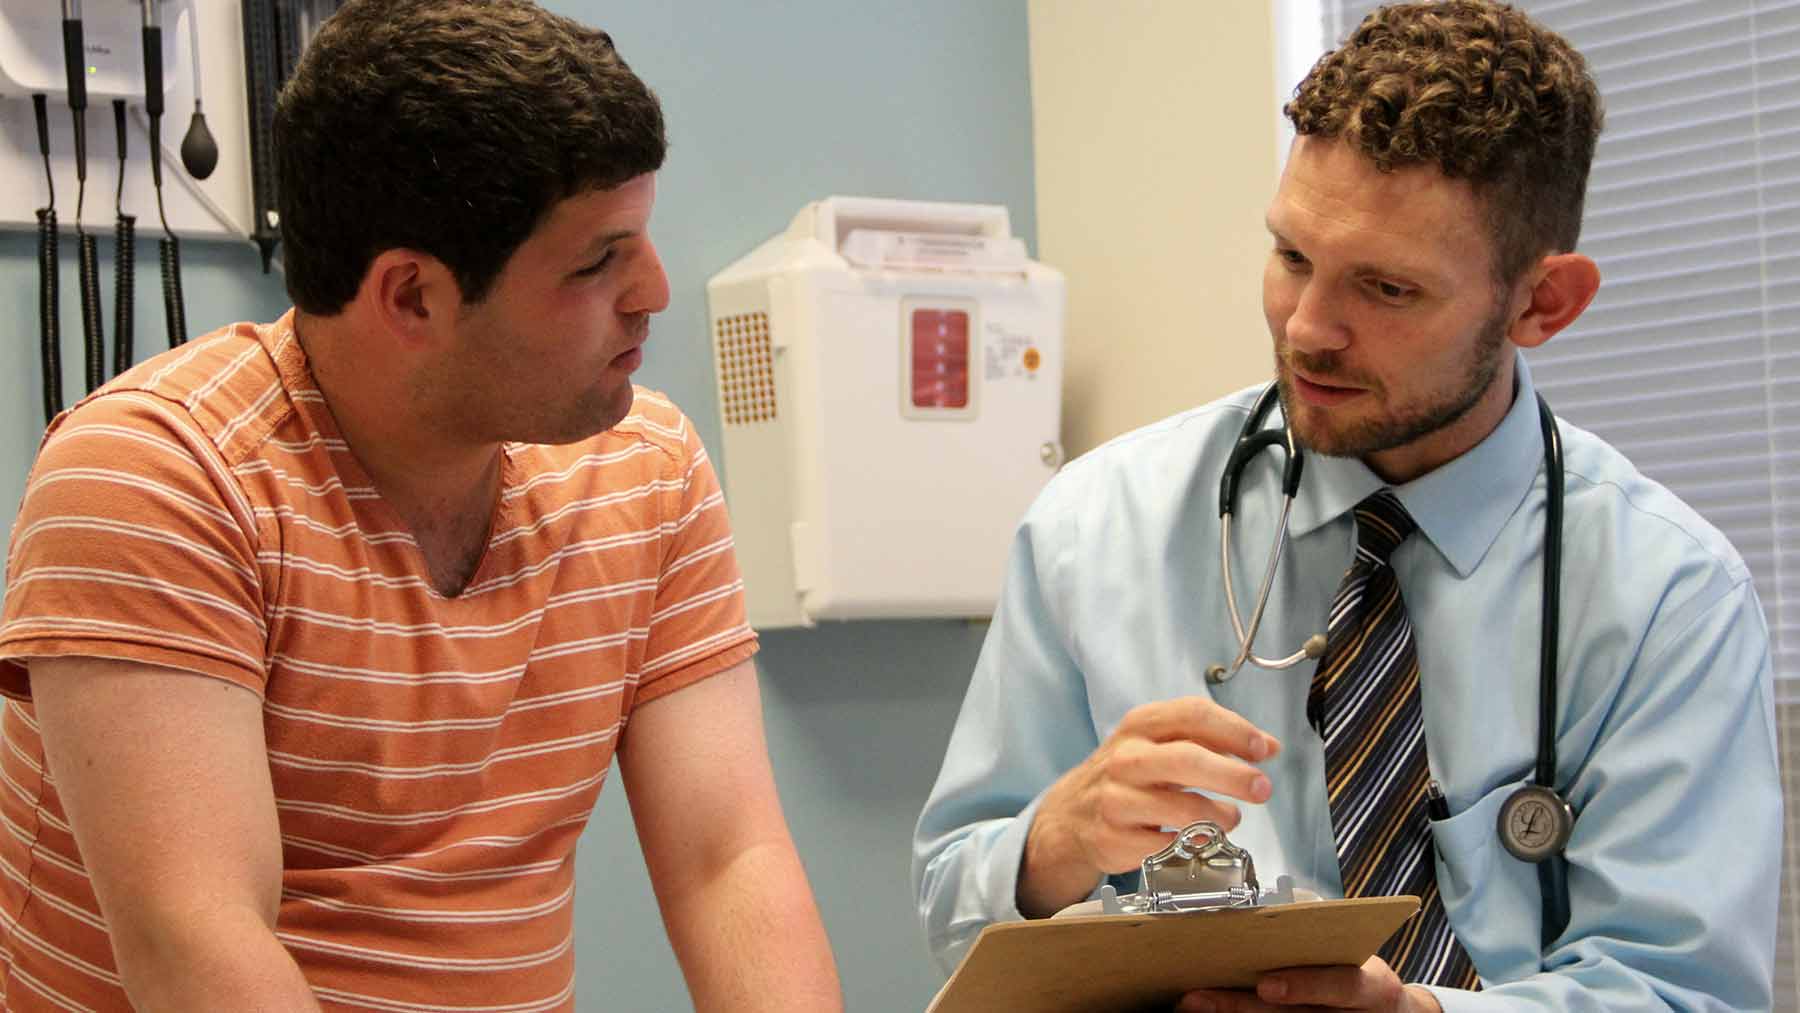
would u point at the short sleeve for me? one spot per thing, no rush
(698, 625)
(133, 542)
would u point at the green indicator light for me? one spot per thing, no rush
(93, 70)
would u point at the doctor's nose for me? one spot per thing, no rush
(1313, 322)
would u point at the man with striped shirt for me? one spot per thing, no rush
(320, 636)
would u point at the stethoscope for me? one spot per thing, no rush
(1535, 821)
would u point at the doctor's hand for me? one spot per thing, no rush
(1374, 986)
(1107, 813)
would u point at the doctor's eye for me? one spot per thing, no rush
(1292, 258)
(1391, 291)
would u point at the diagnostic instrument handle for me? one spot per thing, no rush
(75, 63)
(40, 105)
(153, 70)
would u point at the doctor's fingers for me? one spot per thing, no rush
(1373, 986)
(1127, 811)
(1184, 765)
(1116, 850)
(1199, 719)
(1218, 1001)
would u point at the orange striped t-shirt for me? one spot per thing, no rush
(434, 759)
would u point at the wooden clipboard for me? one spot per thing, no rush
(1126, 963)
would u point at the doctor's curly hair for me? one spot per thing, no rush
(1482, 92)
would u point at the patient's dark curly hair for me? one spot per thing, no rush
(450, 127)
(1482, 92)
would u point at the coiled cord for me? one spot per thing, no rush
(124, 273)
(93, 329)
(93, 334)
(173, 311)
(49, 263)
(124, 259)
(49, 320)
(169, 249)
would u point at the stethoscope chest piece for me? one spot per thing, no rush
(1535, 823)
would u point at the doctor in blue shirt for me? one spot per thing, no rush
(1422, 234)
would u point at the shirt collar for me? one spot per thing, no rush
(1460, 506)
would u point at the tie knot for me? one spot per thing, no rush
(1381, 525)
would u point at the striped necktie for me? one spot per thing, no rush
(1364, 700)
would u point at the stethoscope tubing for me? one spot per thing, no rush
(1246, 634)
(1552, 599)
(1252, 439)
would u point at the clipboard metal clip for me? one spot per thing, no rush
(1200, 870)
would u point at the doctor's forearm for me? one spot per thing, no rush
(1052, 871)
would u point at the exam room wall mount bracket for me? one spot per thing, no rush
(275, 33)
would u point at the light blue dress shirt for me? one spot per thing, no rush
(1665, 731)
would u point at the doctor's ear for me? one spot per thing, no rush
(1561, 286)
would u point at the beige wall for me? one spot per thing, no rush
(1156, 157)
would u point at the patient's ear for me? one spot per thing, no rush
(411, 295)
(1556, 291)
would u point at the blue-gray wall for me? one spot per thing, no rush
(770, 105)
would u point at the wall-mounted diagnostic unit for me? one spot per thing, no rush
(137, 59)
(890, 381)
(125, 44)
(224, 186)
(56, 62)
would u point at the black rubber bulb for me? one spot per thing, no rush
(199, 153)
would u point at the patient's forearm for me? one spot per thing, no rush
(749, 936)
(223, 959)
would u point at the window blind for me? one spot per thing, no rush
(1689, 359)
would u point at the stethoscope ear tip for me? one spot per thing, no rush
(1314, 646)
